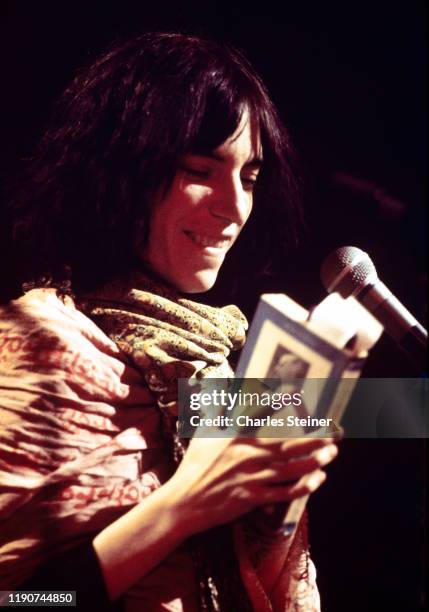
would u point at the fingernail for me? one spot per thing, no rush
(333, 450)
(316, 480)
(327, 453)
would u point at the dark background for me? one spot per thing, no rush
(349, 82)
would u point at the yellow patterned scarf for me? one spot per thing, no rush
(167, 337)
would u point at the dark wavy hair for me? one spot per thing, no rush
(117, 135)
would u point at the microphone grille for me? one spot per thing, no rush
(347, 270)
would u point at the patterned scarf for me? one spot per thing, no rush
(167, 337)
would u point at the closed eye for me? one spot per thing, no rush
(193, 168)
(199, 173)
(249, 182)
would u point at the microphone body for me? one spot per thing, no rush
(398, 322)
(350, 272)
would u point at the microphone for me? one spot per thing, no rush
(350, 272)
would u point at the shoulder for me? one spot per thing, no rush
(40, 316)
(46, 341)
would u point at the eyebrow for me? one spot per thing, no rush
(255, 162)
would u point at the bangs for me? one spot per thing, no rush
(221, 93)
(220, 119)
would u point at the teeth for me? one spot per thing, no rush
(206, 241)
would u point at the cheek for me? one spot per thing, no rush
(181, 201)
(192, 196)
(248, 211)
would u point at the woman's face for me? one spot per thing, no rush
(195, 224)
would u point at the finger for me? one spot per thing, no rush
(303, 446)
(268, 445)
(267, 450)
(305, 485)
(295, 468)
(291, 445)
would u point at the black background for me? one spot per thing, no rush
(349, 81)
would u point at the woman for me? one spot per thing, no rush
(156, 157)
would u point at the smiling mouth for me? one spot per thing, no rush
(208, 241)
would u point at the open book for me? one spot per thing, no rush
(315, 356)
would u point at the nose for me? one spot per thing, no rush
(230, 201)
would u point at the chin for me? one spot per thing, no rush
(198, 283)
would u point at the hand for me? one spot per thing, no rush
(221, 479)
